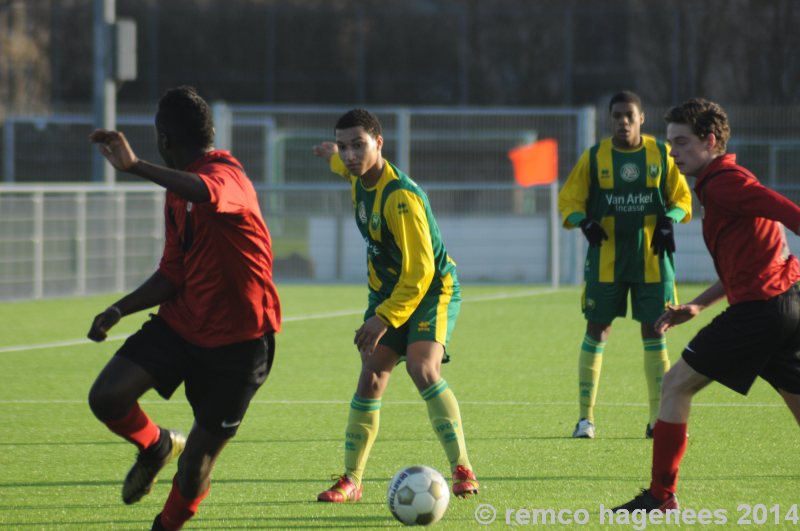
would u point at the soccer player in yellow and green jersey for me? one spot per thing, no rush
(624, 194)
(414, 300)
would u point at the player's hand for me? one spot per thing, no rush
(369, 334)
(593, 231)
(663, 237)
(325, 150)
(114, 146)
(103, 322)
(675, 315)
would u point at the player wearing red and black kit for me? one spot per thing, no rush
(219, 254)
(758, 335)
(224, 263)
(219, 309)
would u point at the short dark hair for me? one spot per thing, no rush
(185, 118)
(360, 117)
(704, 117)
(625, 96)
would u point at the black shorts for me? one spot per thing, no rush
(219, 381)
(751, 339)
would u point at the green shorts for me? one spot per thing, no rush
(433, 320)
(602, 302)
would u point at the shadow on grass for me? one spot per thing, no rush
(317, 440)
(291, 522)
(80, 524)
(384, 480)
(64, 443)
(268, 522)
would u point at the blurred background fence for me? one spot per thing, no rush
(64, 238)
(61, 234)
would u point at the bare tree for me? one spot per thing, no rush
(24, 62)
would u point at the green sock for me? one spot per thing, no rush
(589, 364)
(361, 431)
(656, 364)
(446, 421)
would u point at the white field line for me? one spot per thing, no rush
(414, 402)
(308, 317)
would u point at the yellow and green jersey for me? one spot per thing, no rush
(406, 258)
(626, 191)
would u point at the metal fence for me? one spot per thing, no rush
(61, 239)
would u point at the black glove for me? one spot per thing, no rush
(103, 322)
(663, 237)
(593, 231)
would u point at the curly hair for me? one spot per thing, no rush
(704, 117)
(185, 118)
(625, 96)
(360, 117)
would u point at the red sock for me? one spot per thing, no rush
(669, 445)
(136, 427)
(178, 510)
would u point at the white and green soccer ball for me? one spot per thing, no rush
(418, 495)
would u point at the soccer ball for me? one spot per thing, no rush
(418, 495)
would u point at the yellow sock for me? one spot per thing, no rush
(589, 364)
(446, 421)
(361, 431)
(656, 364)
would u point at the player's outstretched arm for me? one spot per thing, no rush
(115, 148)
(325, 150)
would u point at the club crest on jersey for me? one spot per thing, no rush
(375, 221)
(653, 170)
(362, 212)
(629, 172)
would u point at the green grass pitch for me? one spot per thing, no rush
(515, 352)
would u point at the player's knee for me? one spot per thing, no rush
(371, 387)
(373, 379)
(423, 374)
(105, 403)
(674, 385)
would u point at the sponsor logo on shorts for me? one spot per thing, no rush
(226, 424)
(424, 326)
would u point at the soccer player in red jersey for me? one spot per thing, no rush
(219, 309)
(759, 333)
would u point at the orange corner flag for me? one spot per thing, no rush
(535, 163)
